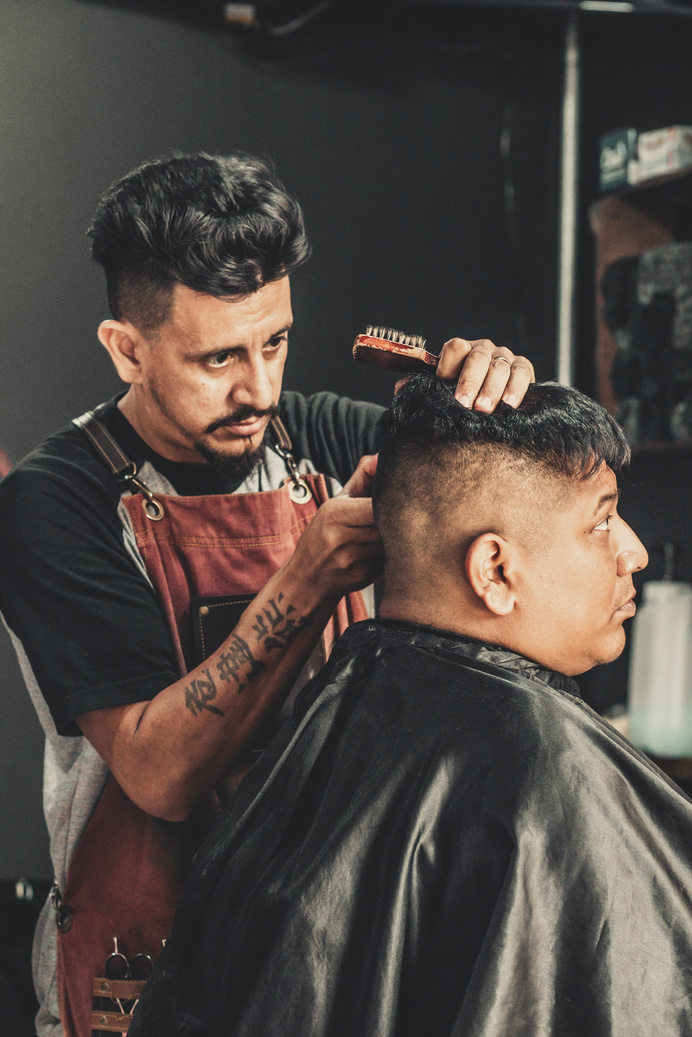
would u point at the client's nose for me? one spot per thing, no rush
(632, 556)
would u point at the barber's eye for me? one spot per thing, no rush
(275, 343)
(604, 524)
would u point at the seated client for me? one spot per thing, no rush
(446, 840)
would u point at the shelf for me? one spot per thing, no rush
(623, 226)
(680, 178)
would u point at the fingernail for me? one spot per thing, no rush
(464, 401)
(483, 403)
(511, 401)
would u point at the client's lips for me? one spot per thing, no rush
(628, 608)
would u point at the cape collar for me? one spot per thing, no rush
(496, 655)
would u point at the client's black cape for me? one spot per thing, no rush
(445, 841)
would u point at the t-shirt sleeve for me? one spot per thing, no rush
(86, 618)
(332, 431)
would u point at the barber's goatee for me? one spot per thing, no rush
(232, 465)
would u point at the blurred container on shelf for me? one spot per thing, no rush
(660, 152)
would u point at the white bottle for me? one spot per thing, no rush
(659, 692)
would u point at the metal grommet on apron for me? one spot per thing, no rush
(299, 491)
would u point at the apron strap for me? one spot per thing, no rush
(125, 470)
(281, 436)
(105, 446)
(118, 463)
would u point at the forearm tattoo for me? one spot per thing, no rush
(275, 627)
(199, 694)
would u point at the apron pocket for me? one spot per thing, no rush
(213, 618)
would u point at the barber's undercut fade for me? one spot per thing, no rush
(429, 442)
(220, 225)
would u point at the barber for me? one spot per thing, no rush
(202, 499)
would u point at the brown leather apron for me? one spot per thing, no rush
(207, 558)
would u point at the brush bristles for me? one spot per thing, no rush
(391, 335)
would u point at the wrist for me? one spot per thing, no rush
(305, 587)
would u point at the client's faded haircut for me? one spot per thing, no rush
(432, 449)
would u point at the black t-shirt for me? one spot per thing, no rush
(86, 616)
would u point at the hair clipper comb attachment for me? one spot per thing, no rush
(394, 350)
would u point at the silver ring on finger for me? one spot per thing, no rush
(503, 358)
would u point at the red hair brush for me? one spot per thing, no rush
(393, 350)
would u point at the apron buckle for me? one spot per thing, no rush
(298, 490)
(153, 508)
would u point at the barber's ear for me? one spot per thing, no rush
(123, 342)
(489, 572)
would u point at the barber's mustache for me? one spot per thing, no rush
(242, 414)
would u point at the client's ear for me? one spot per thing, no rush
(489, 572)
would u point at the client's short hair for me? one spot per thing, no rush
(432, 450)
(221, 225)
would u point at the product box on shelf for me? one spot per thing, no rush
(617, 149)
(663, 151)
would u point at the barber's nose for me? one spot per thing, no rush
(631, 553)
(253, 387)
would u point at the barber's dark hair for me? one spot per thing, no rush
(560, 430)
(222, 225)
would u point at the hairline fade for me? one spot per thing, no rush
(220, 225)
(557, 431)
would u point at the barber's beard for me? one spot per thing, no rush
(231, 465)
(234, 465)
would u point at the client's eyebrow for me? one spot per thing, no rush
(605, 499)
